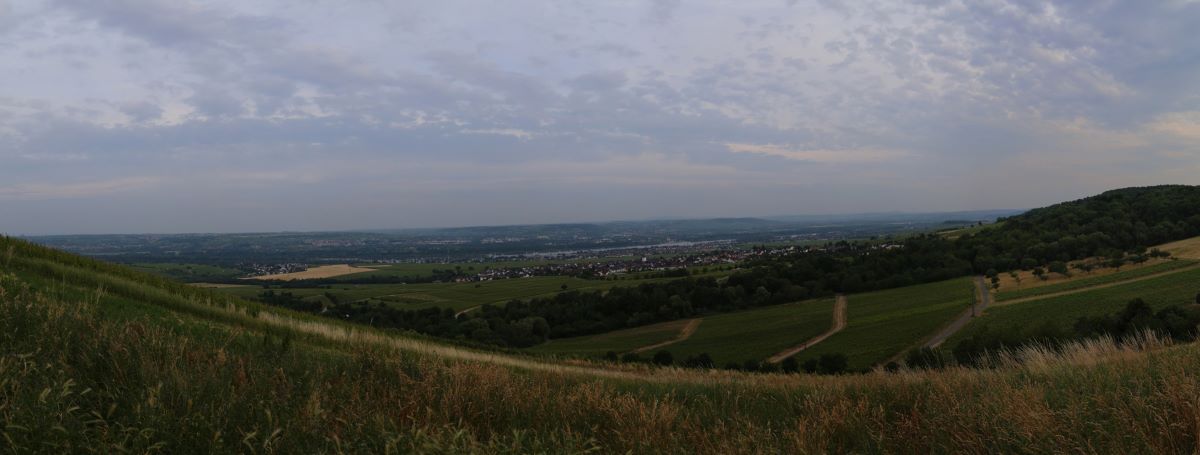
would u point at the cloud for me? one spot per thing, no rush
(36, 191)
(332, 100)
(824, 156)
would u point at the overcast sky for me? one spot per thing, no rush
(170, 116)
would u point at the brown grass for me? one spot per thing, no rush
(1186, 249)
(1029, 280)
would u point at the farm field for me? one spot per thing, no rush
(420, 270)
(756, 334)
(457, 296)
(1085, 281)
(881, 324)
(324, 271)
(1174, 289)
(619, 341)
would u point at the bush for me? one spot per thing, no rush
(702, 360)
(663, 358)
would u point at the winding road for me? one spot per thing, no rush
(684, 334)
(983, 298)
(839, 323)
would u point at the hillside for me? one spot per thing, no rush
(99, 358)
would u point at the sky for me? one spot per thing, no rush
(130, 116)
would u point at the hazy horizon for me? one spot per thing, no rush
(771, 217)
(121, 116)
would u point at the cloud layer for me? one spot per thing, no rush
(168, 116)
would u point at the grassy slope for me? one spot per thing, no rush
(1174, 289)
(756, 334)
(178, 370)
(617, 341)
(883, 323)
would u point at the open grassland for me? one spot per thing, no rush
(756, 334)
(1027, 281)
(1173, 289)
(884, 323)
(150, 366)
(458, 296)
(618, 341)
(1082, 281)
(1186, 248)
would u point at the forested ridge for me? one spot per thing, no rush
(1118, 225)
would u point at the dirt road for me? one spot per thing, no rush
(684, 334)
(983, 297)
(1092, 288)
(839, 323)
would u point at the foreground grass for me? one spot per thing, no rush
(76, 377)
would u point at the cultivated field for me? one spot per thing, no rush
(1173, 289)
(618, 341)
(884, 323)
(1082, 281)
(756, 334)
(324, 271)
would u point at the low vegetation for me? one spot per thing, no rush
(883, 323)
(1059, 313)
(144, 365)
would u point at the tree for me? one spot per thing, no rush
(832, 363)
(925, 358)
(790, 365)
(1059, 267)
(1040, 273)
(702, 360)
(663, 358)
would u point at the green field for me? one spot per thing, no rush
(619, 341)
(756, 334)
(883, 323)
(1174, 289)
(1086, 282)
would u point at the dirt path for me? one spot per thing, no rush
(839, 323)
(1092, 288)
(983, 298)
(684, 334)
(468, 310)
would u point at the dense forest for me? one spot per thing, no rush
(1118, 225)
